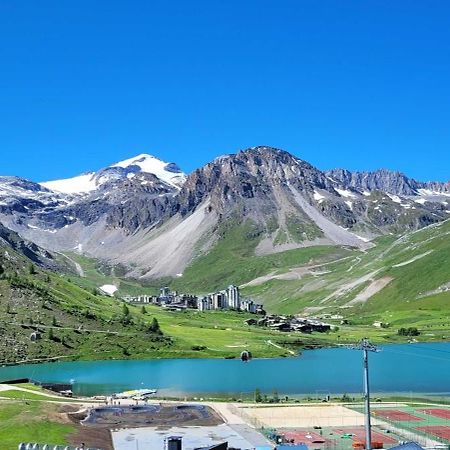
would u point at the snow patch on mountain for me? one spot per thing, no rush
(394, 198)
(319, 197)
(345, 193)
(169, 173)
(109, 289)
(75, 185)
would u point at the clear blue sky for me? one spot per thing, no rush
(356, 84)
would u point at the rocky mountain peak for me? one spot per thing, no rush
(168, 173)
(380, 180)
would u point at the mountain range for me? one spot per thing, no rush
(153, 220)
(350, 247)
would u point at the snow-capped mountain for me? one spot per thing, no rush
(168, 173)
(151, 218)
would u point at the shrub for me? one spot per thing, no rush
(411, 331)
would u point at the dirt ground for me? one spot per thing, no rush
(92, 437)
(95, 431)
(304, 416)
(168, 415)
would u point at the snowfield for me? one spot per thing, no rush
(109, 289)
(167, 172)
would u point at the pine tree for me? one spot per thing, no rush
(143, 310)
(154, 326)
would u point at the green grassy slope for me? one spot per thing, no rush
(414, 272)
(401, 281)
(73, 322)
(31, 422)
(232, 260)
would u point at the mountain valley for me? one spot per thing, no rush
(363, 248)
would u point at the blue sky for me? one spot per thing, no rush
(356, 84)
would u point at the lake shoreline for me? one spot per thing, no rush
(398, 368)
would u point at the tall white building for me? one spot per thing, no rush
(204, 303)
(234, 299)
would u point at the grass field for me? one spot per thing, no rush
(31, 422)
(15, 394)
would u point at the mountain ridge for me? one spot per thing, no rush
(157, 227)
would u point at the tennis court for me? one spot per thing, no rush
(305, 437)
(336, 438)
(437, 412)
(396, 415)
(418, 422)
(440, 431)
(360, 435)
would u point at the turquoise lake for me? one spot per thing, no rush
(408, 368)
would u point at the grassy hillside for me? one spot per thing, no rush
(75, 322)
(31, 422)
(232, 260)
(401, 281)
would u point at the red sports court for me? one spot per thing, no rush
(441, 431)
(437, 412)
(303, 437)
(396, 415)
(360, 435)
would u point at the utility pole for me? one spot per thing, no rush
(367, 347)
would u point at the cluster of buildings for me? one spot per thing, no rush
(229, 298)
(291, 323)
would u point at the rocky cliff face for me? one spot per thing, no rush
(386, 181)
(265, 183)
(147, 214)
(11, 240)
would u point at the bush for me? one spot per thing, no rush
(258, 396)
(411, 331)
(198, 348)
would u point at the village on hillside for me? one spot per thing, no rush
(229, 299)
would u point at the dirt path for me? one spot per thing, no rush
(373, 288)
(77, 266)
(12, 387)
(409, 261)
(294, 273)
(346, 287)
(357, 261)
(280, 347)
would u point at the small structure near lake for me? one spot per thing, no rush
(291, 323)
